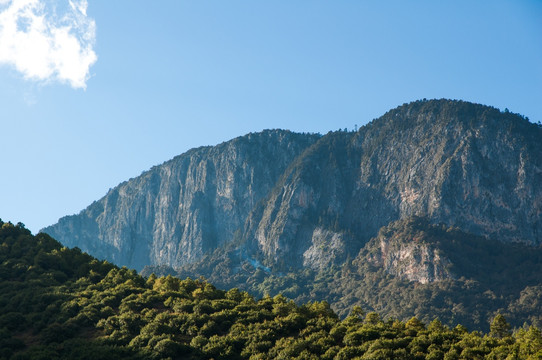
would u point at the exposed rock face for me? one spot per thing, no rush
(190, 205)
(408, 255)
(308, 201)
(327, 248)
(414, 262)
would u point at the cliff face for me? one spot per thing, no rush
(190, 205)
(297, 200)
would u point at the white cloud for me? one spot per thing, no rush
(48, 40)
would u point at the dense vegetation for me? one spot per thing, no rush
(488, 277)
(59, 303)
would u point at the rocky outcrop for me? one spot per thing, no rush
(406, 250)
(414, 262)
(300, 200)
(327, 248)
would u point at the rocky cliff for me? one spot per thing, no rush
(186, 207)
(309, 201)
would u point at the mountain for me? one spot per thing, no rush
(458, 163)
(316, 217)
(60, 303)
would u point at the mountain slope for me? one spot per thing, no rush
(411, 268)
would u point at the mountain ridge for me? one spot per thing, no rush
(429, 158)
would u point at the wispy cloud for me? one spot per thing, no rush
(48, 40)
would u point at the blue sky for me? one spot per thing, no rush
(140, 82)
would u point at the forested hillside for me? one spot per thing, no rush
(59, 303)
(412, 268)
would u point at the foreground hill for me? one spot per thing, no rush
(59, 303)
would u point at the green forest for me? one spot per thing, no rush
(60, 303)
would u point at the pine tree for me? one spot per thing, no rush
(499, 327)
